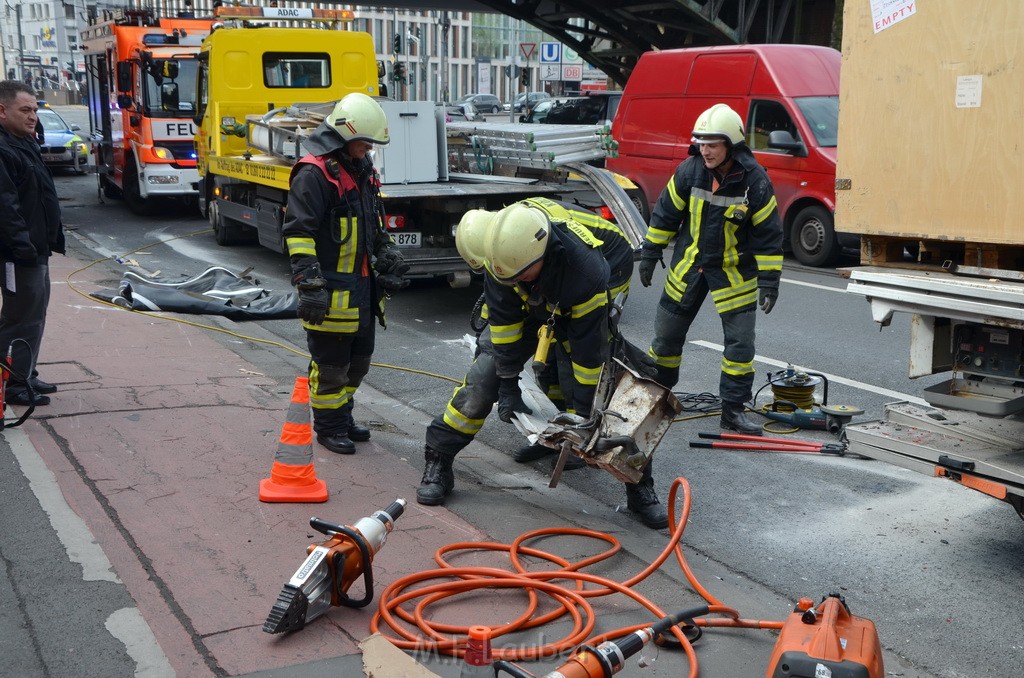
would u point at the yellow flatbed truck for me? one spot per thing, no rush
(268, 76)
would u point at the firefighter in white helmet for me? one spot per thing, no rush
(551, 263)
(719, 207)
(344, 264)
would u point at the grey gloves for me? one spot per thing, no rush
(766, 299)
(648, 258)
(510, 400)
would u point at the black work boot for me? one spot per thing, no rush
(641, 500)
(438, 478)
(338, 443)
(359, 434)
(734, 418)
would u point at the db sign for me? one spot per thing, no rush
(572, 72)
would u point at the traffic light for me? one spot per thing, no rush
(398, 73)
(396, 44)
(524, 77)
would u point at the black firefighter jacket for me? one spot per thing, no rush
(30, 226)
(587, 264)
(730, 233)
(334, 219)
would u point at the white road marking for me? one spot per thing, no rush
(72, 531)
(833, 379)
(814, 285)
(128, 626)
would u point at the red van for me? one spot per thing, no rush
(788, 96)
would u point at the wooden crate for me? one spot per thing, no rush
(918, 166)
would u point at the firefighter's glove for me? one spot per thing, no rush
(313, 305)
(647, 263)
(389, 261)
(510, 400)
(766, 299)
(395, 279)
(314, 297)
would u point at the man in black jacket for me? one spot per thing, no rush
(343, 262)
(30, 231)
(719, 207)
(547, 263)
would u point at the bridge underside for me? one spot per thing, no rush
(612, 34)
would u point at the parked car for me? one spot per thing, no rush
(527, 100)
(483, 103)
(596, 108)
(453, 113)
(61, 145)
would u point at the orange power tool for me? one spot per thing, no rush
(826, 641)
(608, 658)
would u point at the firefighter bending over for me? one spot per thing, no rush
(547, 263)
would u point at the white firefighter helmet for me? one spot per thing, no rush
(471, 236)
(518, 240)
(358, 117)
(718, 123)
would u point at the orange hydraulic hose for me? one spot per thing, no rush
(415, 631)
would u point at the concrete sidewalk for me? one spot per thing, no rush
(159, 436)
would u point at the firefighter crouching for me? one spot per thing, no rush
(549, 263)
(343, 262)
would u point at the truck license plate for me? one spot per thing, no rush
(406, 239)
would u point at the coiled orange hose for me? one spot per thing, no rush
(415, 631)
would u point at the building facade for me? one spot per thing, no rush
(444, 54)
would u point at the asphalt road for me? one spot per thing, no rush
(936, 566)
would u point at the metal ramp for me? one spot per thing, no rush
(982, 453)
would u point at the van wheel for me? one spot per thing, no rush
(132, 195)
(638, 198)
(813, 237)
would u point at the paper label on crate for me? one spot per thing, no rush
(887, 13)
(968, 91)
(822, 671)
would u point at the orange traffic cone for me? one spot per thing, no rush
(292, 477)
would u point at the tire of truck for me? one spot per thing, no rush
(813, 237)
(108, 188)
(132, 195)
(225, 231)
(638, 198)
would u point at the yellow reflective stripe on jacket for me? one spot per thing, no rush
(731, 255)
(677, 201)
(622, 289)
(674, 285)
(737, 369)
(556, 212)
(588, 376)
(300, 246)
(460, 422)
(735, 297)
(348, 233)
(592, 304)
(763, 213)
(507, 334)
(658, 236)
(768, 262)
(665, 360)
